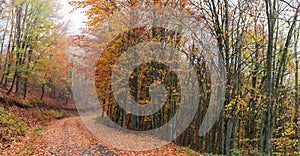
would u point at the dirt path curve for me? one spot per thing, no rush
(71, 137)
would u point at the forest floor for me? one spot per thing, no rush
(70, 136)
(32, 128)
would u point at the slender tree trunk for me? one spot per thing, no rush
(16, 79)
(222, 135)
(27, 74)
(234, 136)
(4, 36)
(25, 88)
(297, 89)
(12, 85)
(43, 91)
(262, 133)
(8, 53)
(228, 136)
(270, 10)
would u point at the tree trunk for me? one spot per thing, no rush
(297, 89)
(12, 85)
(228, 136)
(8, 53)
(43, 91)
(25, 88)
(234, 136)
(4, 36)
(268, 91)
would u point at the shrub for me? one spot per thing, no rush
(235, 152)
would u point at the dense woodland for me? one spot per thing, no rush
(33, 47)
(258, 41)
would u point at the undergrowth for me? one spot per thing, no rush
(10, 126)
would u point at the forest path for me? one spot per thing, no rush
(70, 136)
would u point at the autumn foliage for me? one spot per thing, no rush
(259, 44)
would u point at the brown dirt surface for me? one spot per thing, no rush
(70, 136)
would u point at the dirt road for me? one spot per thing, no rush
(71, 137)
